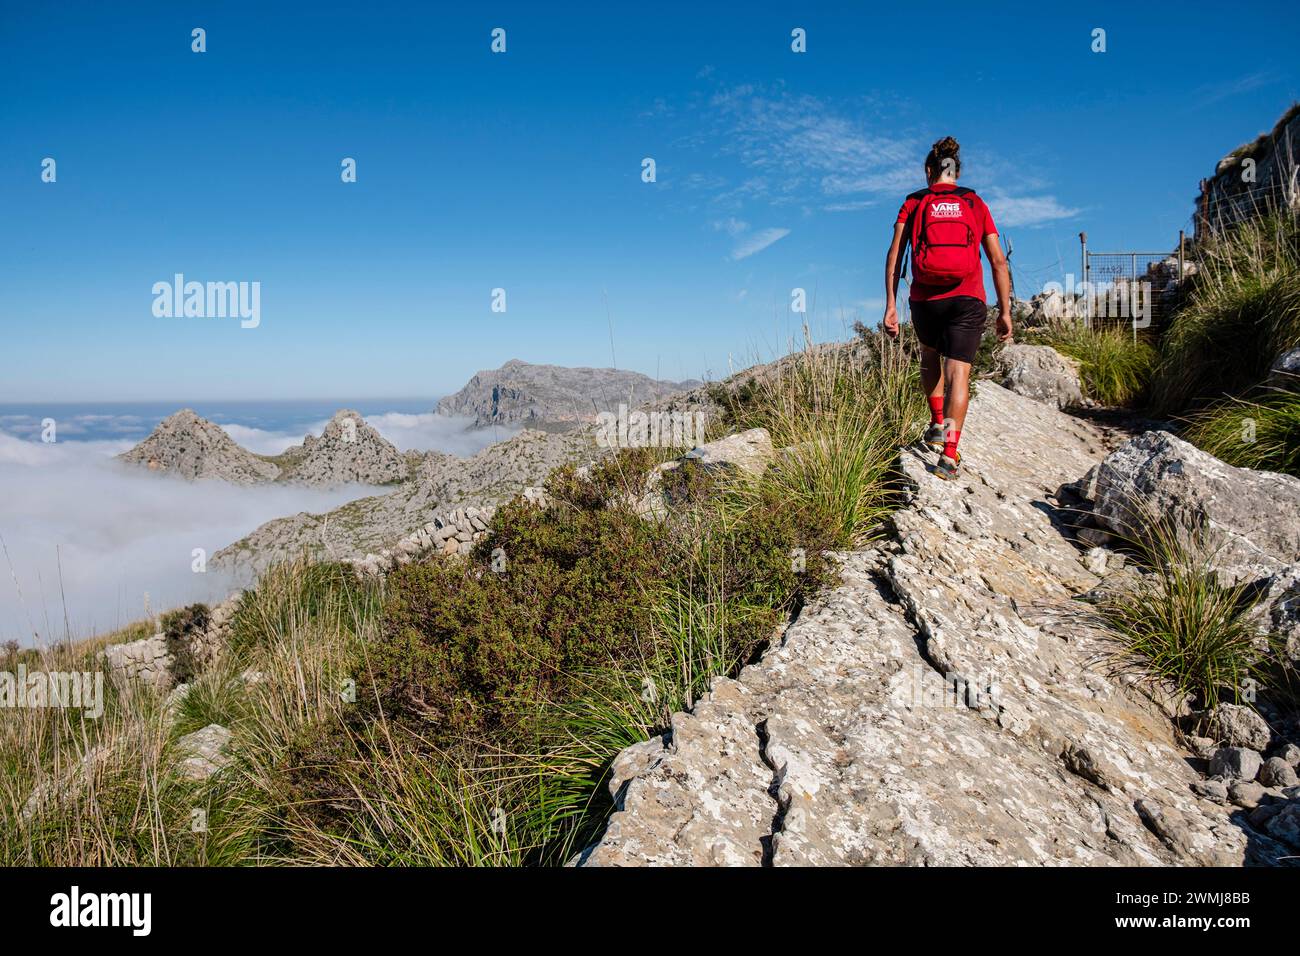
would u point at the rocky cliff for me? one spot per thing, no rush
(1252, 177)
(519, 392)
(946, 704)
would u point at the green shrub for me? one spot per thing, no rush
(180, 628)
(465, 646)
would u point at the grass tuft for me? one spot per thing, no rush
(1262, 434)
(1115, 369)
(1179, 628)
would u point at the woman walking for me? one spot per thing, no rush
(942, 227)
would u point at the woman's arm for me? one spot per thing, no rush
(1001, 282)
(891, 280)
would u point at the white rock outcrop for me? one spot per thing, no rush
(204, 752)
(1039, 372)
(1251, 519)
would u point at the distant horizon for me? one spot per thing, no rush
(433, 397)
(196, 400)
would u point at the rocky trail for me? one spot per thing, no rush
(946, 704)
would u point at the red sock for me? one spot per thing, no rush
(936, 409)
(950, 443)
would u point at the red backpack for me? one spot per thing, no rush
(943, 236)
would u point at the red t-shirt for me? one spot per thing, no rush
(973, 284)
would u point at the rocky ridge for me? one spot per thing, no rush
(348, 451)
(944, 706)
(441, 484)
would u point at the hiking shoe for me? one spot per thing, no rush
(948, 468)
(934, 437)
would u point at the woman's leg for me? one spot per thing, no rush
(931, 378)
(956, 375)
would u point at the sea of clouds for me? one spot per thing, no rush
(407, 431)
(84, 538)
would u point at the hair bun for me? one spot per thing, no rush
(945, 156)
(946, 147)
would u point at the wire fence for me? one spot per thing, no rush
(1130, 289)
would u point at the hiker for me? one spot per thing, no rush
(942, 226)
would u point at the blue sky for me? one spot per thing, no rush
(523, 171)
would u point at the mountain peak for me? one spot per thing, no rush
(188, 445)
(349, 450)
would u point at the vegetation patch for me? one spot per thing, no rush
(1115, 368)
(1177, 627)
(1242, 310)
(1263, 433)
(466, 711)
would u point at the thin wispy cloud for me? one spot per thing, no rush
(731, 226)
(1027, 210)
(855, 206)
(807, 150)
(758, 242)
(1214, 92)
(801, 147)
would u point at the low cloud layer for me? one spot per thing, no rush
(426, 431)
(86, 537)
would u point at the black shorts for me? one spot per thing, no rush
(952, 326)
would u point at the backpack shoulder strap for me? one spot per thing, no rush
(919, 196)
(966, 195)
(905, 246)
